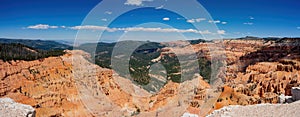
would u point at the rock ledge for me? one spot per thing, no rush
(9, 108)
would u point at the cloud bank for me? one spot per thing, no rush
(136, 29)
(195, 20)
(42, 26)
(127, 29)
(248, 23)
(166, 19)
(136, 2)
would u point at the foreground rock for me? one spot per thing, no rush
(9, 108)
(260, 110)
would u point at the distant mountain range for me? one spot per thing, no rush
(63, 44)
(37, 44)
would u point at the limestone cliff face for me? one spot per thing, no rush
(45, 84)
(261, 73)
(261, 83)
(105, 93)
(257, 71)
(70, 85)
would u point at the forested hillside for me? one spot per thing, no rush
(38, 44)
(22, 52)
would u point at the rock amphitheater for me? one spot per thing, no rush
(257, 72)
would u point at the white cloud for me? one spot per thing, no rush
(195, 20)
(136, 2)
(137, 29)
(298, 28)
(205, 32)
(41, 26)
(200, 19)
(224, 23)
(252, 18)
(248, 23)
(166, 19)
(104, 19)
(215, 21)
(221, 32)
(127, 29)
(88, 27)
(190, 21)
(53, 26)
(160, 7)
(108, 12)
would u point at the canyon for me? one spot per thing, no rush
(256, 71)
(56, 87)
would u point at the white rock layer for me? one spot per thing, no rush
(9, 108)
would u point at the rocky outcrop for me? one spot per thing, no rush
(105, 93)
(55, 86)
(44, 84)
(260, 82)
(9, 108)
(261, 73)
(267, 110)
(70, 85)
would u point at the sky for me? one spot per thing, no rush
(162, 20)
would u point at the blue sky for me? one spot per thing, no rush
(61, 19)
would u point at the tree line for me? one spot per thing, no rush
(16, 51)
